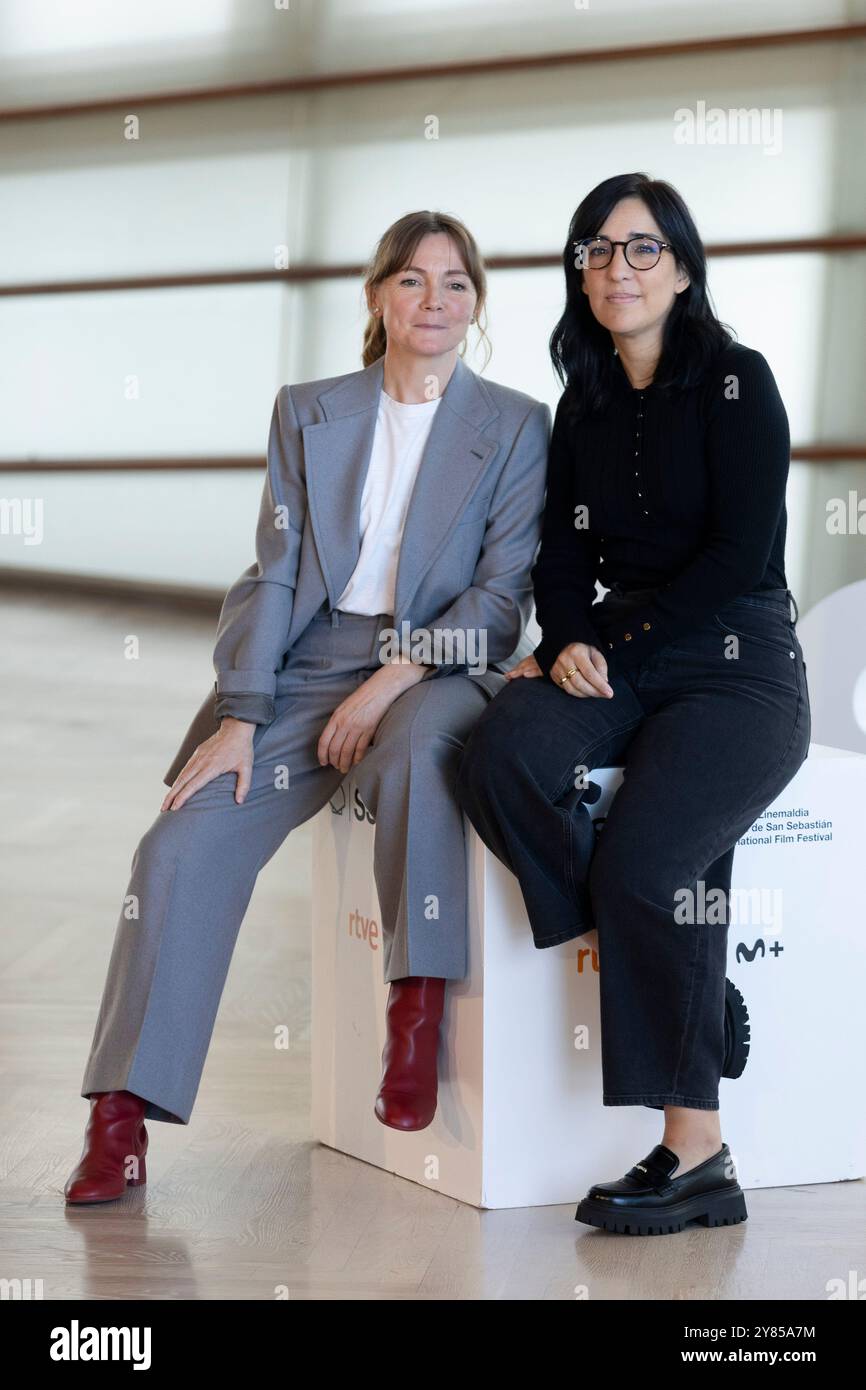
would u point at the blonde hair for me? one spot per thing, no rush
(395, 250)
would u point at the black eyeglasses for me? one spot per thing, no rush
(641, 252)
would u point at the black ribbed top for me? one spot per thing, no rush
(681, 489)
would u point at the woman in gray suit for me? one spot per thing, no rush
(399, 522)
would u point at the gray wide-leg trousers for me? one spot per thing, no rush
(193, 872)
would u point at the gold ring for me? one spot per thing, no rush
(568, 675)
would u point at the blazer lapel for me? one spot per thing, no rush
(452, 464)
(337, 453)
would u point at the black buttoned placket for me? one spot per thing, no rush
(639, 485)
(638, 451)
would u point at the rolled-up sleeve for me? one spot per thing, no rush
(245, 705)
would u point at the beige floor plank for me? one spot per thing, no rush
(240, 1203)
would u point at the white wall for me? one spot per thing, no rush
(221, 185)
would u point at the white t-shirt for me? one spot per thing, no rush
(398, 444)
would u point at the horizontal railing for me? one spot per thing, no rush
(208, 463)
(301, 274)
(471, 67)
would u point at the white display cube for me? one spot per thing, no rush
(520, 1120)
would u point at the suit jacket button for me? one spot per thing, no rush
(627, 636)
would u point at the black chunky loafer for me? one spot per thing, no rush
(649, 1201)
(737, 1031)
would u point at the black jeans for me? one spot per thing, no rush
(710, 729)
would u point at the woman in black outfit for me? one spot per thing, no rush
(666, 483)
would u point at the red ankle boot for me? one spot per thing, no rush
(115, 1143)
(407, 1092)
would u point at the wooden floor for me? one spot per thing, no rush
(240, 1203)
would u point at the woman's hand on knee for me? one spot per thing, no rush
(230, 749)
(587, 668)
(527, 667)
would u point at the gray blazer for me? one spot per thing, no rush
(472, 529)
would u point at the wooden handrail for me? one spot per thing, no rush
(808, 453)
(133, 592)
(473, 67)
(834, 244)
